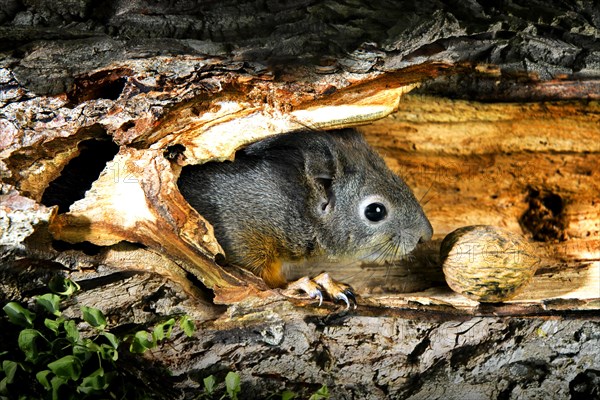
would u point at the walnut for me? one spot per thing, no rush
(486, 263)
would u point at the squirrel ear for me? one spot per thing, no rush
(312, 151)
(320, 168)
(325, 196)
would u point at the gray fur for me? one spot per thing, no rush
(296, 196)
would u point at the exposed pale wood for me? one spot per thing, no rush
(144, 206)
(216, 134)
(19, 217)
(462, 159)
(475, 163)
(129, 203)
(462, 183)
(456, 127)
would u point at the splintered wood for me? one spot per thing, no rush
(531, 168)
(205, 117)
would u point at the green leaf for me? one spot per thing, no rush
(56, 383)
(322, 393)
(232, 384)
(288, 395)
(19, 315)
(63, 286)
(209, 384)
(91, 346)
(159, 333)
(68, 367)
(50, 302)
(71, 331)
(112, 339)
(3, 388)
(107, 352)
(95, 382)
(81, 351)
(141, 343)
(53, 324)
(10, 369)
(94, 317)
(27, 343)
(42, 377)
(187, 325)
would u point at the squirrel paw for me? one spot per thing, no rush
(323, 283)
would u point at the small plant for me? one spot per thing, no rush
(233, 390)
(59, 361)
(321, 394)
(232, 387)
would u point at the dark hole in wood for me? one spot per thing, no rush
(586, 385)
(78, 175)
(85, 247)
(554, 203)
(220, 259)
(127, 126)
(172, 152)
(110, 90)
(105, 280)
(101, 85)
(207, 294)
(544, 218)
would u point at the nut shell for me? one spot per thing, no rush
(486, 263)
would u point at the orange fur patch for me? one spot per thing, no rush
(272, 274)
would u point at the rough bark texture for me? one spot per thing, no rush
(415, 351)
(129, 92)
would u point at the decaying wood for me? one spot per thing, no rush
(177, 84)
(475, 163)
(125, 204)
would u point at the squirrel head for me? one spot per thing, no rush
(360, 209)
(364, 211)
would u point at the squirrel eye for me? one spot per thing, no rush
(375, 212)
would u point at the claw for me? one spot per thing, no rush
(307, 286)
(348, 297)
(342, 296)
(350, 294)
(323, 285)
(317, 294)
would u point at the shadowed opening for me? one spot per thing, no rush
(79, 174)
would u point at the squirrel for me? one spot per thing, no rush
(307, 195)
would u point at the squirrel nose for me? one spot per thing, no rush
(426, 231)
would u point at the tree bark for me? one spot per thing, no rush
(501, 128)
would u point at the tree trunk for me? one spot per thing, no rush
(500, 127)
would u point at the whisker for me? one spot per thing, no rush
(425, 194)
(387, 253)
(375, 254)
